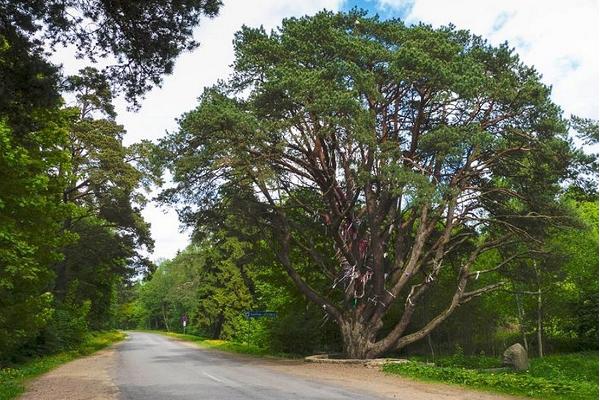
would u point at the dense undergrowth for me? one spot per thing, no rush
(12, 378)
(562, 376)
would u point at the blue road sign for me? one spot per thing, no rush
(260, 314)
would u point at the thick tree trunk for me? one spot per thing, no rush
(357, 340)
(218, 326)
(431, 347)
(61, 280)
(165, 319)
(540, 327)
(521, 316)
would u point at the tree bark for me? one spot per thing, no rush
(540, 326)
(521, 317)
(357, 339)
(431, 348)
(165, 320)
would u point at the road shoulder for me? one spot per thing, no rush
(87, 378)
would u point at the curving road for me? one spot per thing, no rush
(153, 367)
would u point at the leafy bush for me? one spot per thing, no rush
(250, 331)
(587, 320)
(580, 367)
(68, 327)
(293, 334)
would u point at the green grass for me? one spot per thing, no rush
(459, 360)
(225, 345)
(12, 380)
(565, 377)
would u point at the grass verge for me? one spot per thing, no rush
(225, 345)
(12, 380)
(565, 376)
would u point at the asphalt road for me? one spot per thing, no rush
(153, 367)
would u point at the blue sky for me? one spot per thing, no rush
(380, 8)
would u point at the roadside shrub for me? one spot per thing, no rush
(68, 327)
(251, 331)
(293, 334)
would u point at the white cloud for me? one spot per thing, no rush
(559, 38)
(393, 3)
(194, 71)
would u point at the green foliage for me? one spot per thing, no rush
(342, 131)
(204, 283)
(120, 30)
(225, 345)
(470, 362)
(69, 324)
(577, 367)
(12, 378)
(28, 84)
(230, 346)
(296, 332)
(30, 237)
(571, 376)
(70, 206)
(213, 282)
(250, 331)
(95, 263)
(33, 135)
(578, 288)
(127, 310)
(586, 128)
(71, 194)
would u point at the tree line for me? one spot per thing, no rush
(71, 193)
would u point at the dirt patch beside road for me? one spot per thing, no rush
(87, 378)
(373, 380)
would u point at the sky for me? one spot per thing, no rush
(559, 38)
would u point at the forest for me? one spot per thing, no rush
(380, 188)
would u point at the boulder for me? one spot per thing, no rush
(516, 357)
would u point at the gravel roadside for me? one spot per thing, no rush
(387, 386)
(87, 378)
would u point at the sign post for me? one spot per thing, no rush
(260, 314)
(184, 321)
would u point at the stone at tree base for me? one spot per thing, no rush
(516, 357)
(337, 359)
